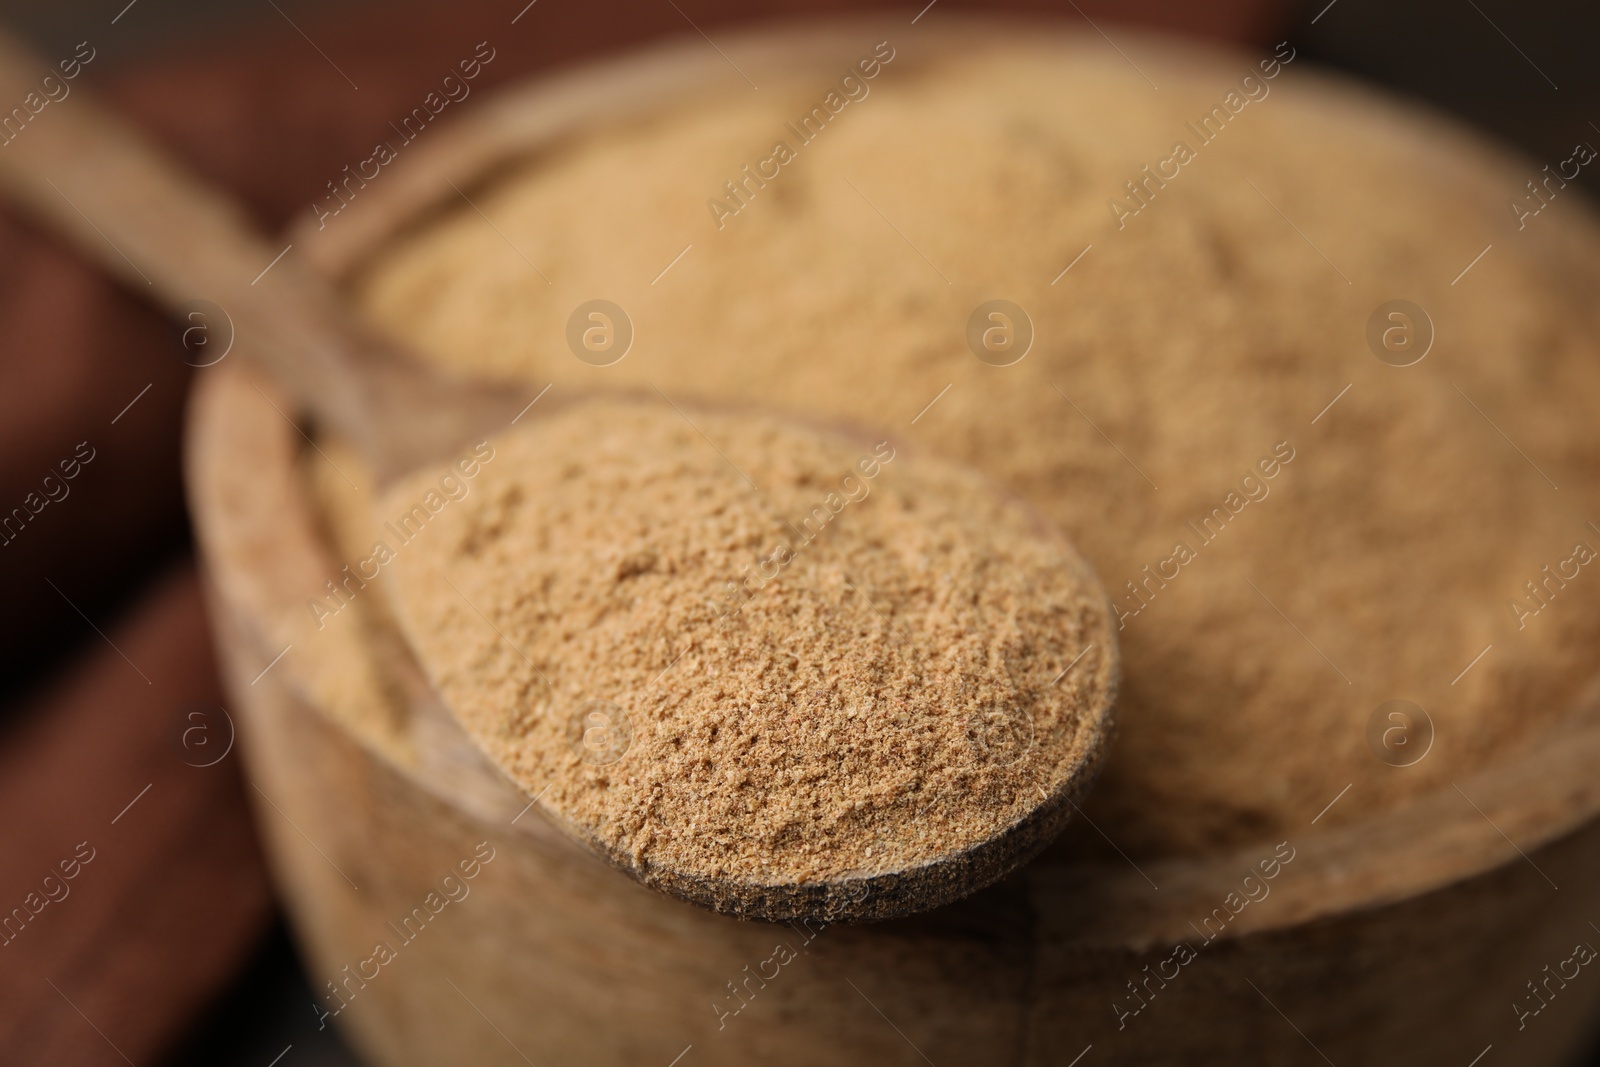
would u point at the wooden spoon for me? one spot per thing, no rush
(165, 232)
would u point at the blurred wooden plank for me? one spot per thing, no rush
(175, 893)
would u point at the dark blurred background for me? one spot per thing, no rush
(175, 949)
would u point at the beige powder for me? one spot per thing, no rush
(886, 690)
(1198, 338)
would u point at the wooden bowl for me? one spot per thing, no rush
(1406, 938)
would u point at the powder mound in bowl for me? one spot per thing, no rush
(744, 653)
(1203, 336)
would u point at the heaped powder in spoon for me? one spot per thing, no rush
(744, 650)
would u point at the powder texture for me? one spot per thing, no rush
(760, 654)
(1189, 343)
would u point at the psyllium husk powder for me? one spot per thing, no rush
(1296, 526)
(822, 659)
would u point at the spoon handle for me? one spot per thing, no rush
(126, 205)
